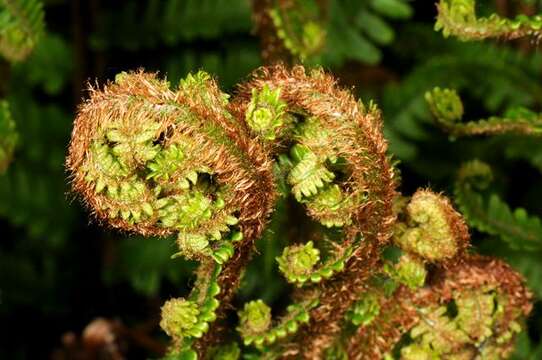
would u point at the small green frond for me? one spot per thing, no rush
(458, 18)
(488, 213)
(447, 109)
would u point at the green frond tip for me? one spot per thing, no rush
(445, 104)
(179, 317)
(254, 319)
(458, 18)
(8, 136)
(296, 315)
(488, 213)
(266, 113)
(409, 270)
(298, 261)
(365, 310)
(21, 26)
(447, 108)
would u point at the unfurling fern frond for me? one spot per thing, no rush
(8, 136)
(190, 162)
(447, 108)
(488, 213)
(21, 25)
(458, 18)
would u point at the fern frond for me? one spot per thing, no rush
(489, 214)
(447, 108)
(458, 18)
(21, 26)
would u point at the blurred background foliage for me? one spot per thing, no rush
(59, 272)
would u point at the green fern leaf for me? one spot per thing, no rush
(490, 214)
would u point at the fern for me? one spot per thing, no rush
(447, 109)
(458, 18)
(489, 214)
(170, 22)
(21, 26)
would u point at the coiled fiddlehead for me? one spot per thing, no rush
(154, 161)
(336, 166)
(458, 18)
(447, 108)
(469, 306)
(190, 162)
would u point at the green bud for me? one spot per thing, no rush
(179, 316)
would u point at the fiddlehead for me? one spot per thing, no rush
(154, 161)
(188, 162)
(447, 109)
(472, 306)
(21, 25)
(8, 136)
(337, 167)
(488, 213)
(458, 18)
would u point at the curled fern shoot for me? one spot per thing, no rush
(194, 163)
(488, 213)
(21, 25)
(447, 109)
(458, 18)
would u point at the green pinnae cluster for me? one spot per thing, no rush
(409, 270)
(458, 18)
(365, 310)
(8, 136)
(148, 174)
(300, 28)
(21, 26)
(447, 108)
(333, 207)
(188, 319)
(255, 322)
(133, 141)
(314, 159)
(309, 173)
(430, 235)
(298, 261)
(445, 104)
(254, 319)
(179, 318)
(196, 86)
(266, 113)
(464, 332)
